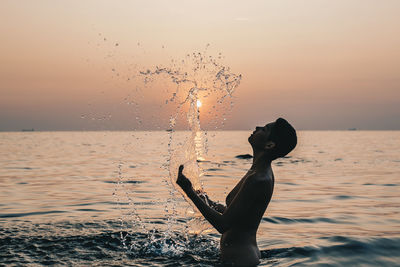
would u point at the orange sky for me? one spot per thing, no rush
(320, 64)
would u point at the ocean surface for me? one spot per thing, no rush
(107, 199)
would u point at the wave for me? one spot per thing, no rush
(106, 248)
(344, 251)
(101, 243)
(283, 220)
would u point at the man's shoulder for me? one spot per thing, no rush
(258, 179)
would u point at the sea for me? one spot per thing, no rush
(109, 199)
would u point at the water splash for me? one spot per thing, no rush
(141, 236)
(197, 76)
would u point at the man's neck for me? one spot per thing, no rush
(261, 161)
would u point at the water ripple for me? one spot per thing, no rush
(283, 220)
(13, 215)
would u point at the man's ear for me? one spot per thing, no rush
(269, 145)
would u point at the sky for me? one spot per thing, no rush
(322, 65)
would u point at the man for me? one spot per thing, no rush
(246, 203)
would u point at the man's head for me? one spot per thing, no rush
(276, 138)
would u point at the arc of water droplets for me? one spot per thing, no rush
(197, 73)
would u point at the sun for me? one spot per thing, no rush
(199, 103)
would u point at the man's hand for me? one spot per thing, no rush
(182, 181)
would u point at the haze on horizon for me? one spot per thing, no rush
(323, 65)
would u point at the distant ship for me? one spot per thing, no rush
(352, 129)
(28, 130)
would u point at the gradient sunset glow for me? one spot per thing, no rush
(69, 65)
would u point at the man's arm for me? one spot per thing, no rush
(221, 222)
(213, 204)
(215, 218)
(212, 216)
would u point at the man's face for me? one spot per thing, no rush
(260, 136)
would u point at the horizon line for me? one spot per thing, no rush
(203, 130)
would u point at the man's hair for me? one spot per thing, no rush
(284, 136)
